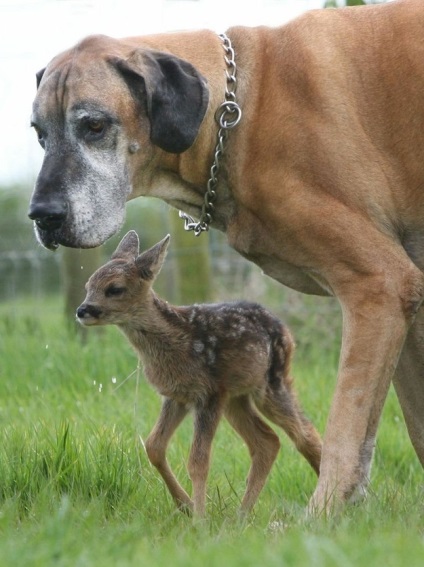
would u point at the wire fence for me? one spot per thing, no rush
(28, 273)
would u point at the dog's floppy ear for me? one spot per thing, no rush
(128, 247)
(39, 76)
(174, 92)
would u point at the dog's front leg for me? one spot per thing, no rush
(377, 311)
(409, 384)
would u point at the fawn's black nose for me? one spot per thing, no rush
(87, 310)
(48, 216)
(81, 311)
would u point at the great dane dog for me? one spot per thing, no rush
(321, 182)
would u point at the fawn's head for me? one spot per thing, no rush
(118, 291)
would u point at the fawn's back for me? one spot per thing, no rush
(228, 348)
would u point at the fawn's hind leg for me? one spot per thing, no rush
(281, 407)
(171, 415)
(262, 442)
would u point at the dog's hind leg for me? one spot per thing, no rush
(409, 384)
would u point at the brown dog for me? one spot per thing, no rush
(321, 183)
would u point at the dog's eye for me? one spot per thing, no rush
(114, 291)
(95, 128)
(40, 135)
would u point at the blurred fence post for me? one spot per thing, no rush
(77, 267)
(192, 267)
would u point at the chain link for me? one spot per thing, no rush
(227, 116)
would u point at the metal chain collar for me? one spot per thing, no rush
(227, 116)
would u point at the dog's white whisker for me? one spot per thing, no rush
(125, 379)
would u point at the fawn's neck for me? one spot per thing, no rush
(157, 324)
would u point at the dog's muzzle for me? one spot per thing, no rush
(48, 216)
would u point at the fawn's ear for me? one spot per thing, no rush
(128, 247)
(150, 262)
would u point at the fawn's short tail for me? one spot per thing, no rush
(281, 405)
(282, 349)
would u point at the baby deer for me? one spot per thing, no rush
(228, 359)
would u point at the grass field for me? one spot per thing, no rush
(76, 488)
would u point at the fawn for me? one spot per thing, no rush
(228, 359)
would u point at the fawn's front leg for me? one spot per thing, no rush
(171, 415)
(206, 421)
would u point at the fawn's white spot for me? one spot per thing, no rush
(210, 356)
(198, 346)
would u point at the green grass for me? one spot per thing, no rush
(76, 488)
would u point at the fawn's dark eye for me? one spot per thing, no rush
(114, 291)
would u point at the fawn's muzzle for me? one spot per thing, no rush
(87, 311)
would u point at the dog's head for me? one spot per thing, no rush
(103, 110)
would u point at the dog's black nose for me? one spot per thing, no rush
(47, 216)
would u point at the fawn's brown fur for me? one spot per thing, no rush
(228, 359)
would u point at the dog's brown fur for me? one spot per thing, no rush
(322, 184)
(216, 359)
